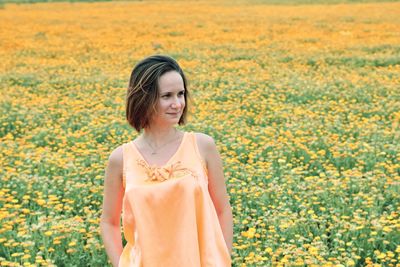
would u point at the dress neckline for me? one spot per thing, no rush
(170, 159)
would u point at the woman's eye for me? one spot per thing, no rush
(181, 93)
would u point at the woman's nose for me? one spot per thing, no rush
(176, 103)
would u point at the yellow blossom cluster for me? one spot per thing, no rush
(302, 101)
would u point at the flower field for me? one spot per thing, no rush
(303, 102)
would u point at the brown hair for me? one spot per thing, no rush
(142, 94)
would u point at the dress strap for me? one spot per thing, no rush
(124, 163)
(196, 150)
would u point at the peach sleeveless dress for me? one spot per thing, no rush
(168, 217)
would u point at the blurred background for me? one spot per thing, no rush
(301, 97)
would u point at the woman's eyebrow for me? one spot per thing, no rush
(168, 92)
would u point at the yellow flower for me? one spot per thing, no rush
(313, 250)
(48, 233)
(251, 232)
(16, 254)
(268, 250)
(25, 211)
(381, 256)
(26, 256)
(41, 202)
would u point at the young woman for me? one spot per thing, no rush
(169, 184)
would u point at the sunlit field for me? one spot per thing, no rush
(303, 102)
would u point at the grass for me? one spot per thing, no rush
(235, 2)
(302, 101)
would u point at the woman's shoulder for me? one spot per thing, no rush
(204, 142)
(116, 157)
(203, 138)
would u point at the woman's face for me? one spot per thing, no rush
(171, 101)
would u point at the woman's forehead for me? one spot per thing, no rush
(171, 81)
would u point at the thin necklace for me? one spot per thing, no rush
(154, 152)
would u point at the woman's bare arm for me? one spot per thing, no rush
(112, 205)
(217, 187)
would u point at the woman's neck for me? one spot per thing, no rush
(157, 136)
